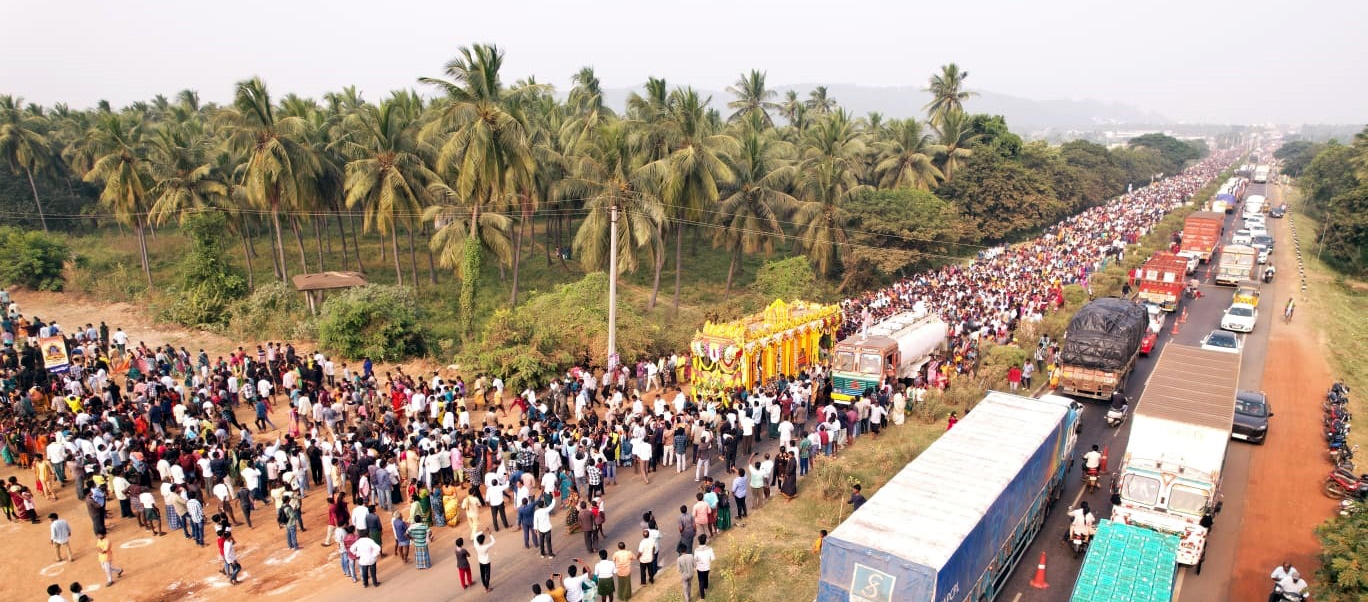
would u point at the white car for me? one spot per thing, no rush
(1240, 317)
(1263, 256)
(1222, 341)
(1241, 237)
(1257, 230)
(1257, 220)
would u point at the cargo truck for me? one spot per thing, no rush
(897, 347)
(1261, 174)
(1201, 233)
(1100, 346)
(952, 524)
(1237, 264)
(1127, 563)
(1161, 278)
(1170, 476)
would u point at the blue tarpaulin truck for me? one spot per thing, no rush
(953, 523)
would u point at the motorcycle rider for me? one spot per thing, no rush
(1269, 272)
(1290, 584)
(1092, 460)
(1084, 523)
(1119, 406)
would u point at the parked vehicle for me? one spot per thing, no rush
(1236, 265)
(898, 345)
(1160, 280)
(1346, 485)
(1241, 237)
(1251, 416)
(1100, 346)
(953, 523)
(1240, 317)
(1170, 479)
(1127, 562)
(1279, 211)
(1261, 174)
(1201, 233)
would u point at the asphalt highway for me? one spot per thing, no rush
(1213, 583)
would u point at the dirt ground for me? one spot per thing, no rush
(1284, 503)
(170, 567)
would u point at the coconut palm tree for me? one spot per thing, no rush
(947, 95)
(792, 108)
(484, 155)
(819, 103)
(386, 178)
(754, 197)
(827, 179)
(906, 156)
(688, 178)
(123, 172)
(23, 145)
(955, 135)
(278, 165)
(605, 174)
(184, 179)
(752, 98)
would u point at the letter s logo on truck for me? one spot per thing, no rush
(871, 585)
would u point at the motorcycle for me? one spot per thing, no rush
(1090, 479)
(1350, 507)
(1342, 455)
(1117, 415)
(1345, 485)
(1287, 596)
(1078, 542)
(1337, 431)
(1337, 413)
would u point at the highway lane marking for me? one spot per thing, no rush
(1017, 598)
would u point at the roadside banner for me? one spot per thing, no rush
(55, 357)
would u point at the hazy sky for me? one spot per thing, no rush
(1194, 60)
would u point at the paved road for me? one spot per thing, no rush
(515, 569)
(1214, 581)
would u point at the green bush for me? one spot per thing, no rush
(554, 330)
(376, 321)
(788, 279)
(32, 259)
(207, 284)
(1344, 556)
(273, 310)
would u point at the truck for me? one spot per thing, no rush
(1170, 477)
(1201, 233)
(1237, 264)
(953, 523)
(1125, 562)
(897, 347)
(1160, 280)
(1100, 346)
(1261, 174)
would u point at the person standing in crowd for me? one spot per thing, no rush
(367, 554)
(484, 547)
(60, 534)
(685, 564)
(420, 536)
(230, 558)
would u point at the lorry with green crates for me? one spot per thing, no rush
(1126, 563)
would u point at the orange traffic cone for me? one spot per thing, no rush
(1183, 318)
(1102, 467)
(1175, 328)
(1038, 581)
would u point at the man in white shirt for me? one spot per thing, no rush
(703, 559)
(541, 521)
(367, 553)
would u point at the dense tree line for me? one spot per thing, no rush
(1333, 181)
(466, 177)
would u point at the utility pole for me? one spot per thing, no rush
(612, 282)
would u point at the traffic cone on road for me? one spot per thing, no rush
(1183, 318)
(1102, 466)
(1175, 328)
(1038, 581)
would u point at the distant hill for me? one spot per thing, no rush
(1023, 114)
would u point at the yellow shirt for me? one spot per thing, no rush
(103, 546)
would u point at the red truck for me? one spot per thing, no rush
(1160, 280)
(1201, 233)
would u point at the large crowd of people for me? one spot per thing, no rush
(401, 462)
